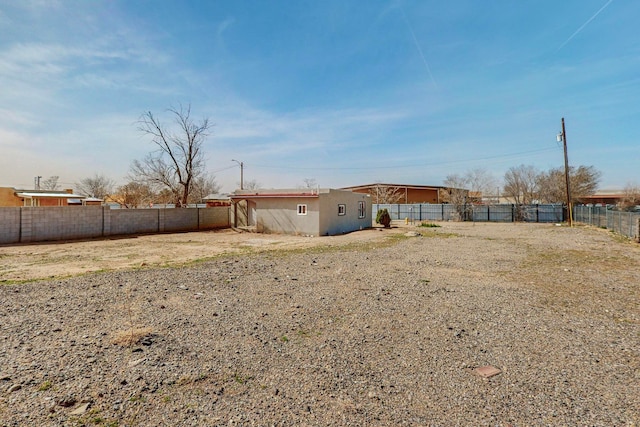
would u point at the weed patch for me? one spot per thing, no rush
(131, 336)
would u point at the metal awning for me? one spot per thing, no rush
(30, 195)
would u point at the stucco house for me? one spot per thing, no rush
(312, 212)
(10, 196)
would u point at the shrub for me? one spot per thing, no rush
(383, 218)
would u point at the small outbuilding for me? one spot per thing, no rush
(312, 212)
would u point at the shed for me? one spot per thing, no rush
(312, 212)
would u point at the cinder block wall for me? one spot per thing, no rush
(216, 217)
(9, 225)
(36, 224)
(61, 223)
(134, 221)
(180, 219)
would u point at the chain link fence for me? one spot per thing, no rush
(478, 213)
(625, 223)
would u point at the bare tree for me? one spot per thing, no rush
(385, 194)
(97, 186)
(310, 183)
(178, 162)
(165, 196)
(584, 181)
(51, 183)
(456, 189)
(251, 185)
(202, 187)
(552, 185)
(631, 196)
(456, 193)
(521, 184)
(481, 182)
(134, 195)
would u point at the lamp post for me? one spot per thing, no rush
(562, 136)
(241, 173)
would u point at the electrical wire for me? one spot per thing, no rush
(438, 163)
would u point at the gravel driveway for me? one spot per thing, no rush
(485, 324)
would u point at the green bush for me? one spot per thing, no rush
(383, 218)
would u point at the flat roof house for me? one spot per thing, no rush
(313, 212)
(14, 197)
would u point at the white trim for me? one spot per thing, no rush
(362, 209)
(27, 194)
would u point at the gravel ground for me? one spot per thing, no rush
(384, 333)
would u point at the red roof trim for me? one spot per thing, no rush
(273, 195)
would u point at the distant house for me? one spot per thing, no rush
(385, 193)
(14, 197)
(214, 200)
(314, 212)
(604, 197)
(89, 201)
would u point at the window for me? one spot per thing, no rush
(361, 210)
(302, 209)
(342, 209)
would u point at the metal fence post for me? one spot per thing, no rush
(619, 222)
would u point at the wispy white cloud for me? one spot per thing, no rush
(584, 25)
(54, 59)
(13, 118)
(224, 26)
(415, 41)
(271, 133)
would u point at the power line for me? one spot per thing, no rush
(437, 163)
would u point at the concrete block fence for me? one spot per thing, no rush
(37, 224)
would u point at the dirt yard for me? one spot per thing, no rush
(65, 259)
(463, 324)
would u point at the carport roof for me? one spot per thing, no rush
(31, 195)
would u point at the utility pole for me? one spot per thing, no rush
(37, 182)
(241, 173)
(235, 203)
(566, 174)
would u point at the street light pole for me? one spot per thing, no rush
(566, 174)
(241, 173)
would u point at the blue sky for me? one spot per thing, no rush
(343, 92)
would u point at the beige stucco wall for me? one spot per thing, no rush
(331, 223)
(280, 215)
